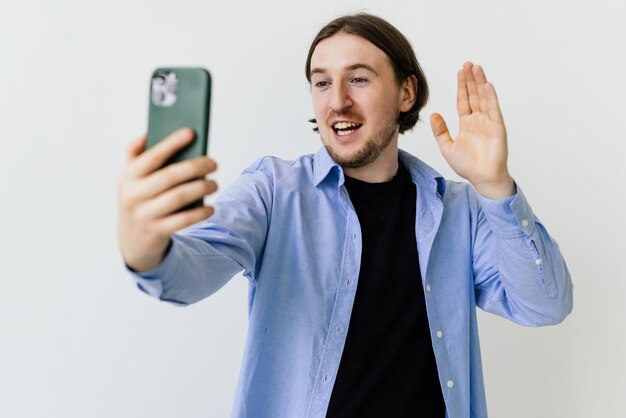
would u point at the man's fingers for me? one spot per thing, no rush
(493, 107)
(135, 148)
(462, 101)
(180, 220)
(440, 130)
(168, 202)
(154, 158)
(471, 86)
(481, 81)
(172, 175)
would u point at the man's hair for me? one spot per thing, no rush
(393, 43)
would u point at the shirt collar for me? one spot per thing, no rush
(323, 165)
(421, 173)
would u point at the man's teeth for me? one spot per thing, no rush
(345, 128)
(345, 125)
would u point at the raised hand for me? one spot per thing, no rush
(479, 152)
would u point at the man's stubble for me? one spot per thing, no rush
(372, 149)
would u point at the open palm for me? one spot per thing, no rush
(479, 152)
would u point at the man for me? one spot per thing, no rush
(365, 265)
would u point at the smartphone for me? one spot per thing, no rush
(180, 97)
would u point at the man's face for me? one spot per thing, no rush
(356, 99)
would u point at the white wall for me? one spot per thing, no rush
(78, 340)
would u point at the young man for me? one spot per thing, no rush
(365, 265)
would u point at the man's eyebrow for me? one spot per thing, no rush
(351, 67)
(364, 66)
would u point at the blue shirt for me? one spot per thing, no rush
(292, 230)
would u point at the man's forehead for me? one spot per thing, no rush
(344, 51)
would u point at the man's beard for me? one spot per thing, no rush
(370, 151)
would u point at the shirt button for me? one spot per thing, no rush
(538, 262)
(439, 334)
(428, 288)
(450, 383)
(524, 223)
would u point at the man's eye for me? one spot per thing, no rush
(359, 80)
(322, 84)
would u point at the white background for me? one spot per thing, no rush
(77, 339)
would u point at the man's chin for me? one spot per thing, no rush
(355, 159)
(358, 154)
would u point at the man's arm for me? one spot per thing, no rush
(184, 268)
(519, 272)
(203, 258)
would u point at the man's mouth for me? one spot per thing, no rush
(345, 128)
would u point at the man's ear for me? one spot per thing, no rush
(408, 93)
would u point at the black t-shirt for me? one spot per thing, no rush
(388, 366)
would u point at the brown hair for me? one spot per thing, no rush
(393, 43)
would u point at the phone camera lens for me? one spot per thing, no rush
(164, 88)
(158, 97)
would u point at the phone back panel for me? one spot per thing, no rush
(182, 100)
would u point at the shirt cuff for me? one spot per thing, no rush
(150, 281)
(510, 217)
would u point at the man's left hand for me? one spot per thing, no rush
(479, 152)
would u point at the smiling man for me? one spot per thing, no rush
(353, 80)
(365, 265)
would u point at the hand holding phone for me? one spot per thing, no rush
(163, 185)
(149, 196)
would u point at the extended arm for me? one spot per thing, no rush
(206, 256)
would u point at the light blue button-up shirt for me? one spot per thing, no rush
(292, 230)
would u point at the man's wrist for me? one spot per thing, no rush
(497, 190)
(147, 263)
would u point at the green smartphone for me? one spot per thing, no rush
(180, 97)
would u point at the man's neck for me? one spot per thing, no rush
(383, 169)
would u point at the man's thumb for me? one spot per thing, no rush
(440, 130)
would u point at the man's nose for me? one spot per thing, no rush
(340, 99)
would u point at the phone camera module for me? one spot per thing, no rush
(164, 88)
